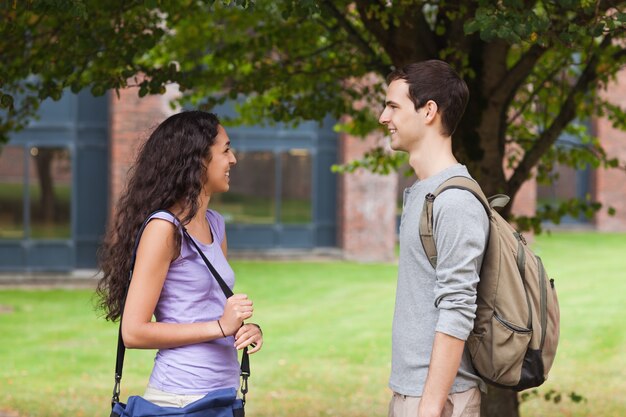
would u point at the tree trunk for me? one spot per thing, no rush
(499, 402)
(479, 139)
(43, 161)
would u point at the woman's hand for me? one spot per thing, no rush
(249, 335)
(237, 309)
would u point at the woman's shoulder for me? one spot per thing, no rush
(157, 233)
(164, 215)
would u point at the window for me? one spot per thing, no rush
(251, 198)
(50, 193)
(35, 193)
(296, 187)
(12, 192)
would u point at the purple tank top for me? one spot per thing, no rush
(191, 294)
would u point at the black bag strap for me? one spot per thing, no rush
(121, 348)
(225, 289)
(245, 359)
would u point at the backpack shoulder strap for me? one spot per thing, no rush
(426, 218)
(467, 184)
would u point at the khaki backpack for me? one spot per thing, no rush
(516, 329)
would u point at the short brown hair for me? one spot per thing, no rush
(438, 81)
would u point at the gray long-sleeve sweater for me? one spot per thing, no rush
(441, 300)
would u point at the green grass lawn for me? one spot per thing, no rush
(327, 334)
(589, 272)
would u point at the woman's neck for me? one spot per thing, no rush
(198, 226)
(198, 218)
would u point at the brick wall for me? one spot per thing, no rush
(610, 184)
(525, 201)
(367, 206)
(132, 119)
(12, 164)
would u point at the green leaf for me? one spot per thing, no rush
(471, 26)
(597, 30)
(143, 90)
(576, 398)
(6, 101)
(98, 90)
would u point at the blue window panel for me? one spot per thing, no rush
(296, 237)
(50, 256)
(79, 123)
(250, 237)
(12, 256)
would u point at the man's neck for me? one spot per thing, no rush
(432, 156)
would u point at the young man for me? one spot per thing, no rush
(431, 372)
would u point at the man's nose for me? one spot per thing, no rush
(383, 119)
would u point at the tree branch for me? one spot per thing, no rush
(542, 84)
(509, 85)
(303, 57)
(595, 151)
(566, 115)
(354, 34)
(409, 41)
(506, 88)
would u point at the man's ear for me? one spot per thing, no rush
(430, 110)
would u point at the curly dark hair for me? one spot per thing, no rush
(170, 169)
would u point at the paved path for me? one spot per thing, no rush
(88, 278)
(74, 279)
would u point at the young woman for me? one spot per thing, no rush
(197, 331)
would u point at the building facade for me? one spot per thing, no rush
(60, 179)
(53, 187)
